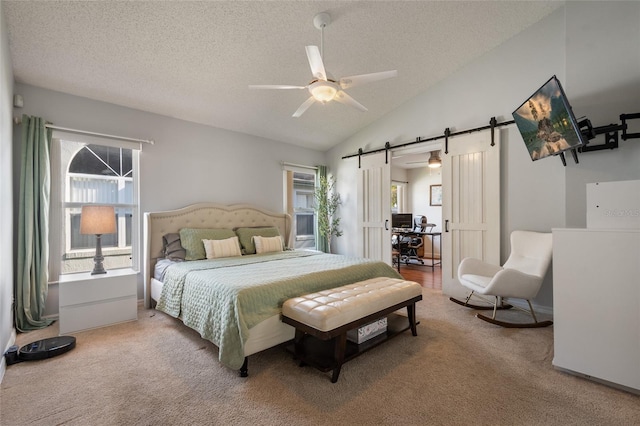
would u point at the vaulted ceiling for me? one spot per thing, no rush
(195, 60)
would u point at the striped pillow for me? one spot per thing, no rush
(267, 244)
(229, 247)
(246, 237)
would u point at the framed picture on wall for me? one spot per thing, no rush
(435, 196)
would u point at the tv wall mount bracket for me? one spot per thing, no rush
(609, 131)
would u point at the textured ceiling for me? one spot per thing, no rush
(195, 60)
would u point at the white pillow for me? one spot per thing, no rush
(267, 244)
(229, 247)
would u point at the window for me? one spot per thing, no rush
(300, 195)
(93, 172)
(398, 197)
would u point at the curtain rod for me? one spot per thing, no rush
(84, 132)
(302, 166)
(446, 134)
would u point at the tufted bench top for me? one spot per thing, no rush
(329, 309)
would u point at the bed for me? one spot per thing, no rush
(235, 301)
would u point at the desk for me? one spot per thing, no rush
(433, 236)
(399, 233)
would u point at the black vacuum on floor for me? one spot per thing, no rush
(40, 349)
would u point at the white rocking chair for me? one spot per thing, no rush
(521, 277)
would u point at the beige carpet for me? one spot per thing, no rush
(457, 371)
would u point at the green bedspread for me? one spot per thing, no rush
(223, 298)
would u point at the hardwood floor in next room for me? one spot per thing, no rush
(423, 275)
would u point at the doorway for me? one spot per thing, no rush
(417, 188)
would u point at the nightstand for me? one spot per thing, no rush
(90, 301)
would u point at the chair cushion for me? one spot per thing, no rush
(330, 309)
(478, 282)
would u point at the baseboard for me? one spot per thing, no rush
(598, 380)
(427, 256)
(546, 310)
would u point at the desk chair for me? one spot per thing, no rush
(396, 257)
(410, 243)
(421, 224)
(413, 245)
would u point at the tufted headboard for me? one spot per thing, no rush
(203, 215)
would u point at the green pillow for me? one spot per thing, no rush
(245, 235)
(191, 240)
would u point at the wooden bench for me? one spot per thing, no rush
(328, 315)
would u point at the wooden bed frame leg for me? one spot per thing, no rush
(244, 370)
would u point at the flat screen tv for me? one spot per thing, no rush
(546, 122)
(402, 220)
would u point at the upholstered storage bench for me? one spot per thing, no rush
(328, 315)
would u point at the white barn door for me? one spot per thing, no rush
(374, 207)
(470, 205)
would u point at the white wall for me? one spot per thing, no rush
(399, 174)
(188, 163)
(603, 81)
(533, 193)
(7, 335)
(420, 181)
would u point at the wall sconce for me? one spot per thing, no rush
(98, 220)
(434, 160)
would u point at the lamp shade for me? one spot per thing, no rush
(434, 160)
(98, 220)
(323, 91)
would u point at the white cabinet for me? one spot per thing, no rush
(596, 304)
(90, 301)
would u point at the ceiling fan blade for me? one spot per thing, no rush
(343, 98)
(356, 80)
(274, 86)
(306, 104)
(315, 62)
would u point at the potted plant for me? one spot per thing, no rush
(327, 202)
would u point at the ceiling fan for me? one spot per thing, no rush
(323, 87)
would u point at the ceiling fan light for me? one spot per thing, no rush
(434, 160)
(323, 91)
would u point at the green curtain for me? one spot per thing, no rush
(322, 244)
(32, 272)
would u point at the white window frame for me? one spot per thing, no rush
(304, 211)
(401, 194)
(306, 170)
(121, 237)
(58, 207)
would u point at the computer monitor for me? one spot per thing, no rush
(402, 220)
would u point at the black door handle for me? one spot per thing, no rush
(446, 225)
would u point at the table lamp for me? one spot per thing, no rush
(98, 220)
